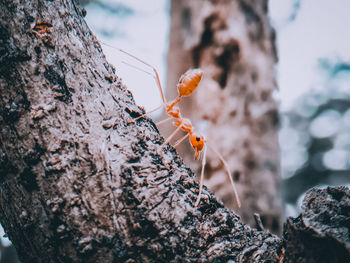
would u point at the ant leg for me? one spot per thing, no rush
(155, 77)
(238, 202)
(204, 159)
(140, 69)
(181, 140)
(169, 138)
(143, 115)
(144, 71)
(145, 63)
(165, 120)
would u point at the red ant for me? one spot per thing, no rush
(188, 82)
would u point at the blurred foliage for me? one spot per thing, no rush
(315, 135)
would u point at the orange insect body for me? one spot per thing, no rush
(187, 84)
(189, 81)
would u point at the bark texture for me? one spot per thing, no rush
(233, 43)
(322, 232)
(80, 181)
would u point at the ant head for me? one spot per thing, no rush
(189, 81)
(197, 142)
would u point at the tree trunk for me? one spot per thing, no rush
(233, 43)
(80, 180)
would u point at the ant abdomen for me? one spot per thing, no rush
(189, 81)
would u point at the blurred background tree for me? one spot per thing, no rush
(233, 106)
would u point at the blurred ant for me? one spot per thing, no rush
(188, 82)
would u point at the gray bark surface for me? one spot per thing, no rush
(322, 232)
(80, 181)
(233, 43)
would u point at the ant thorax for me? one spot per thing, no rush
(186, 125)
(173, 111)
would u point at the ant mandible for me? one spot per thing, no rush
(188, 82)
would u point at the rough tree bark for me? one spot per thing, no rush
(233, 43)
(322, 232)
(79, 180)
